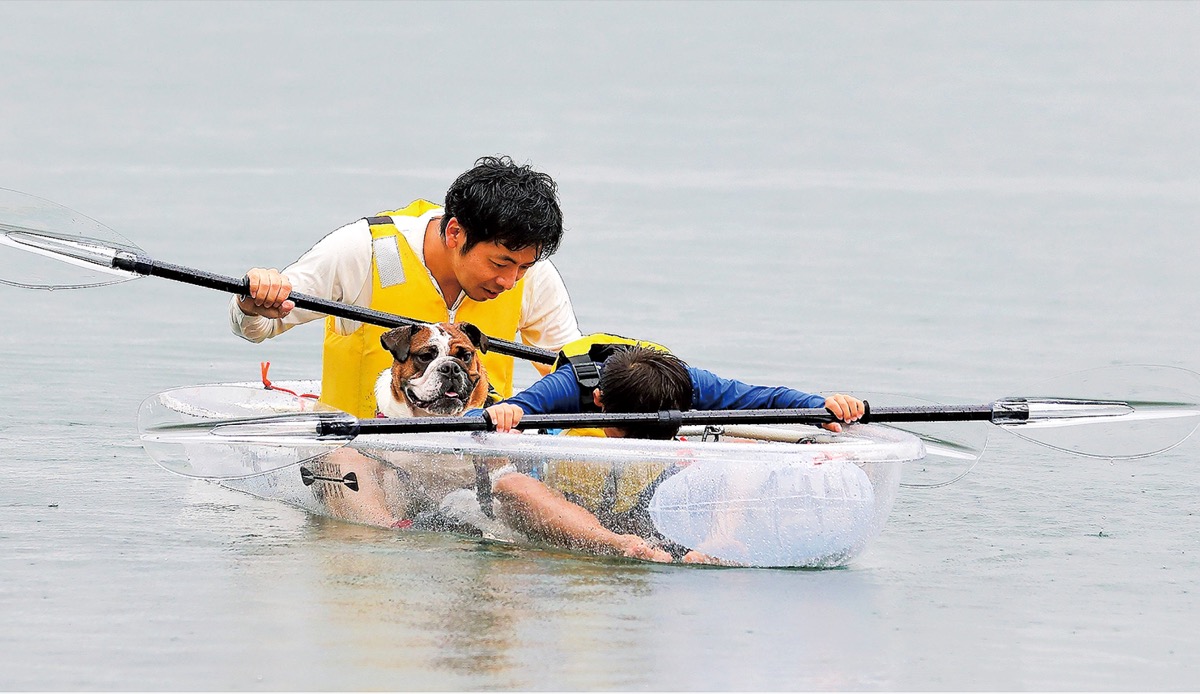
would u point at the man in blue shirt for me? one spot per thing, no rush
(632, 379)
(640, 379)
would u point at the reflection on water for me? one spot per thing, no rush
(427, 603)
(401, 609)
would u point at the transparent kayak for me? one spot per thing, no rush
(781, 496)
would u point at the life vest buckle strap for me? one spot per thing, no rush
(587, 376)
(587, 373)
(483, 489)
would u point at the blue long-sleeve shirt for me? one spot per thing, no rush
(558, 393)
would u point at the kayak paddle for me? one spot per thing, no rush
(34, 231)
(178, 425)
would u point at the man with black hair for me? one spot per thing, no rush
(480, 258)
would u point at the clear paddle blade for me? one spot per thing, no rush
(1113, 412)
(44, 245)
(231, 431)
(951, 448)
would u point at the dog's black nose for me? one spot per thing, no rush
(449, 368)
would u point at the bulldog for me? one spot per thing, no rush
(436, 372)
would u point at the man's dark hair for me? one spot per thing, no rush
(641, 379)
(499, 201)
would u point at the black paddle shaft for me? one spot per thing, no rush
(931, 413)
(132, 262)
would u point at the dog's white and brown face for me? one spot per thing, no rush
(436, 372)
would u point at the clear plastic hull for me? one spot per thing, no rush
(807, 498)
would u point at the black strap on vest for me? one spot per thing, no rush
(493, 397)
(587, 377)
(378, 220)
(587, 371)
(483, 489)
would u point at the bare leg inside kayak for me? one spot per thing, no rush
(538, 511)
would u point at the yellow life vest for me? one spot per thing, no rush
(602, 488)
(401, 285)
(583, 355)
(605, 490)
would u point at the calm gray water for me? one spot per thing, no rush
(930, 199)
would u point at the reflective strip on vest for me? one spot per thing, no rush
(387, 261)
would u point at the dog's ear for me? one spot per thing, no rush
(397, 341)
(475, 335)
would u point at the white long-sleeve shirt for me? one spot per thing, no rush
(338, 267)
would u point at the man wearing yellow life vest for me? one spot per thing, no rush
(581, 506)
(480, 258)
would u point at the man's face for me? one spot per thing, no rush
(488, 268)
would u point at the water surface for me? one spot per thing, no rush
(929, 199)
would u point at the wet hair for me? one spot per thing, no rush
(641, 379)
(499, 201)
